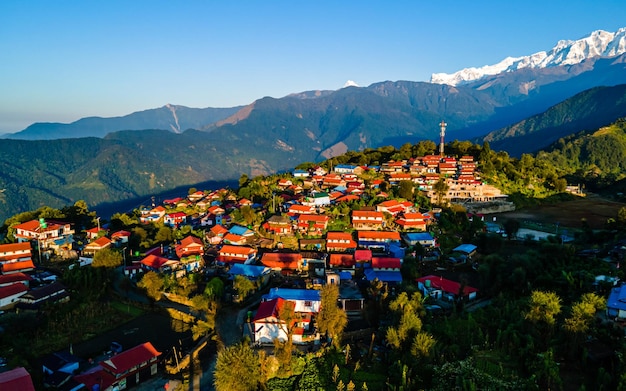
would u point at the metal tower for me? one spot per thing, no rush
(442, 126)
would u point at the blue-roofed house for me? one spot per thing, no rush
(240, 230)
(306, 300)
(260, 274)
(466, 249)
(388, 276)
(425, 239)
(616, 304)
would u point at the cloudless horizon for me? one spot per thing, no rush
(65, 60)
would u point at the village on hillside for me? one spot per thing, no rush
(351, 226)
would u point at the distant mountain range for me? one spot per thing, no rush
(160, 149)
(169, 117)
(598, 44)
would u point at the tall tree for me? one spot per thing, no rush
(441, 189)
(406, 190)
(544, 307)
(237, 369)
(243, 286)
(107, 258)
(331, 319)
(153, 284)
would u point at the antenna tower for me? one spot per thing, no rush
(442, 126)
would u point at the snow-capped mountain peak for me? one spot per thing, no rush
(598, 44)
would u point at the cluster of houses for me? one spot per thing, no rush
(21, 287)
(117, 370)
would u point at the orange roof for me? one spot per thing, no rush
(35, 226)
(388, 235)
(100, 242)
(231, 237)
(282, 260)
(367, 213)
(14, 247)
(218, 229)
(342, 260)
(416, 216)
(347, 198)
(120, 234)
(191, 240)
(239, 250)
(389, 203)
(317, 218)
(338, 236)
(154, 261)
(301, 208)
(9, 267)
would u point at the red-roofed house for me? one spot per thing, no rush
(97, 245)
(363, 256)
(158, 264)
(216, 234)
(172, 201)
(267, 325)
(394, 207)
(236, 254)
(312, 224)
(175, 219)
(386, 263)
(234, 239)
(379, 236)
(190, 246)
(398, 177)
(120, 237)
(48, 234)
(447, 169)
(367, 220)
(10, 294)
(195, 197)
(244, 202)
(123, 370)
(439, 287)
(17, 267)
(15, 252)
(347, 198)
(417, 221)
(17, 379)
(153, 215)
(342, 260)
(8, 279)
(283, 261)
(301, 209)
(339, 241)
(280, 225)
(92, 233)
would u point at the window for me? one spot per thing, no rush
(308, 303)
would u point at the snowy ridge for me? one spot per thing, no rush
(598, 44)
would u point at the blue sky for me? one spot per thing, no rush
(64, 60)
